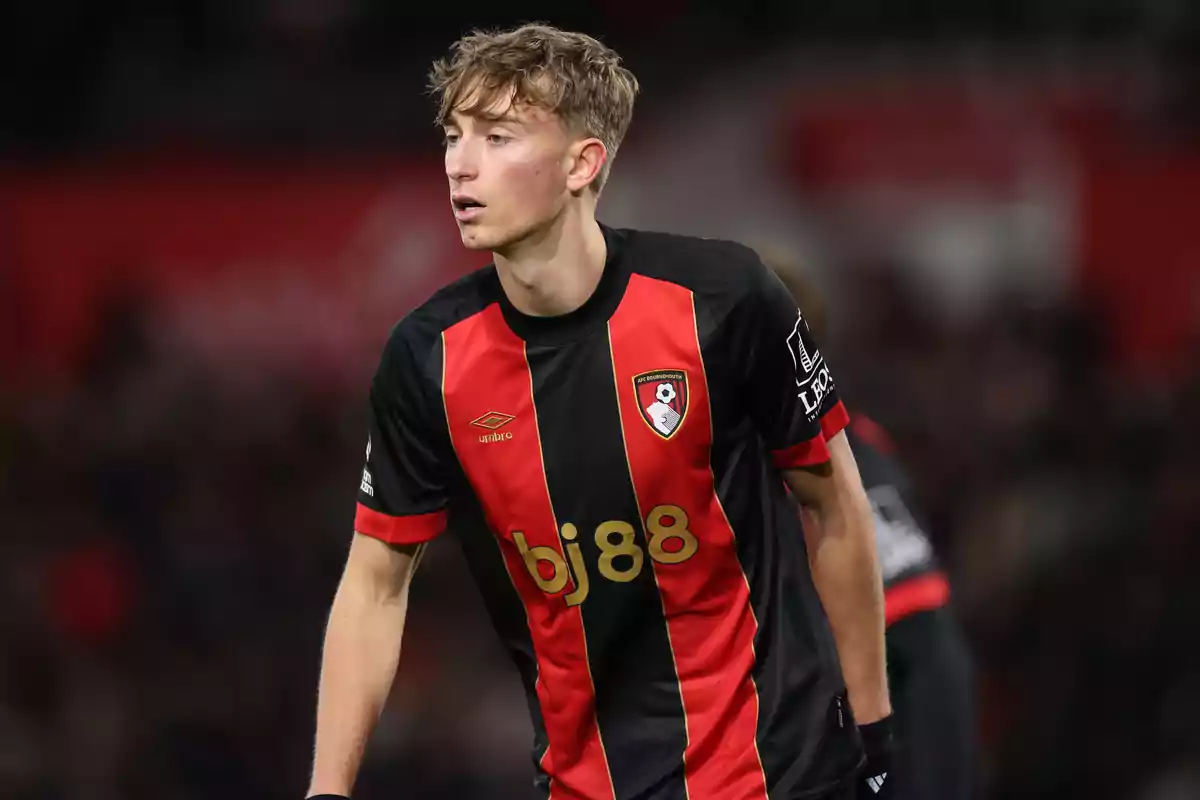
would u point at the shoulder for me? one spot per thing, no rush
(414, 338)
(714, 268)
(734, 291)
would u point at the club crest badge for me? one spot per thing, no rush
(662, 398)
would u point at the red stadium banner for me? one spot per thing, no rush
(1140, 259)
(245, 262)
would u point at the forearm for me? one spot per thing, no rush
(362, 650)
(841, 553)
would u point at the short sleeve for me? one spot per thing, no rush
(402, 495)
(794, 400)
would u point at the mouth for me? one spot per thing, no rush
(466, 208)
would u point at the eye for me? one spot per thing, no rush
(497, 138)
(449, 139)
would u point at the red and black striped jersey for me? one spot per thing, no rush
(612, 476)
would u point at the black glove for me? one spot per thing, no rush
(877, 782)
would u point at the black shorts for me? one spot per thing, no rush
(932, 691)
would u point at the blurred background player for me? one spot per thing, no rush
(929, 670)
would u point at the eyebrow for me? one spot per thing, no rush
(507, 116)
(485, 116)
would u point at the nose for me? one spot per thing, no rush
(462, 163)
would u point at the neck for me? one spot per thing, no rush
(554, 271)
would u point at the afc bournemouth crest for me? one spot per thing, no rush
(663, 399)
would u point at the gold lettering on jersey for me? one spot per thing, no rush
(670, 524)
(669, 542)
(536, 556)
(574, 598)
(616, 540)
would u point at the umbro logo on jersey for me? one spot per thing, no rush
(876, 783)
(662, 397)
(493, 421)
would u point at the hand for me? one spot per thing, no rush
(877, 781)
(327, 797)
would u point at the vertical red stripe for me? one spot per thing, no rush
(486, 371)
(706, 598)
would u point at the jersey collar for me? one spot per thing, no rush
(594, 312)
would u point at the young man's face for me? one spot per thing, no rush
(508, 170)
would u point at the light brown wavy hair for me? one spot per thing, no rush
(571, 75)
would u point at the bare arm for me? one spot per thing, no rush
(362, 649)
(839, 533)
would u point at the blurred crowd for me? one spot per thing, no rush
(172, 545)
(172, 541)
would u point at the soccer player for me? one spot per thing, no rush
(930, 676)
(605, 420)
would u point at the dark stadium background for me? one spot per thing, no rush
(212, 212)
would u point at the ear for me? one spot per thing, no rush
(584, 160)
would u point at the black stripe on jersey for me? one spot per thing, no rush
(639, 709)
